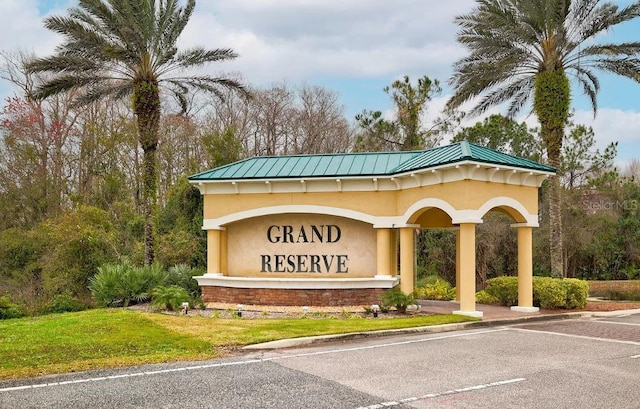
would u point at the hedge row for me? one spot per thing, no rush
(548, 293)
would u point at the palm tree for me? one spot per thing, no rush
(526, 49)
(127, 49)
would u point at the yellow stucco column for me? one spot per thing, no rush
(407, 260)
(214, 247)
(224, 260)
(394, 252)
(525, 270)
(458, 265)
(383, 254)
(467, 264)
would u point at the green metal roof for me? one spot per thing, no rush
(363, 164)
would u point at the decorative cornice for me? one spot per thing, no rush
(468, 170)
(378, 281)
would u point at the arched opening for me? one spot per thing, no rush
(502, 250)
(435, 245)
(497, 244)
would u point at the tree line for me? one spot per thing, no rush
(98, 137)
(71, 181)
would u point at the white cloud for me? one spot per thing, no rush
(330, 38)
(315, 40)
(21, 28)
(612, 125)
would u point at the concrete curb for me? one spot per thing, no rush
(432, 329)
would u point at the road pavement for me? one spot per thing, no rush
(587, 362)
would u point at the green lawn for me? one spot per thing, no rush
(106, 338)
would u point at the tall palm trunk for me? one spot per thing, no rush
(147, 110)
(551, 104)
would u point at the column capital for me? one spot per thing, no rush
(209, 224)
(471, 220)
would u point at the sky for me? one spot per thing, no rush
(354, 47)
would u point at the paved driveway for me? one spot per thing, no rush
(592, 363)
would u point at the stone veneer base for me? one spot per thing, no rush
(292, 297)
(294, 291)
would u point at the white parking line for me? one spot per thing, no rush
(618, 323)
(249, 361)
(617, 341)
(391, 344)
(634, 356)
(436, 395)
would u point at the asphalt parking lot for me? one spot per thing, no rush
(575, 363)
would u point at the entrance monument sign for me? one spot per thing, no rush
(338, 229)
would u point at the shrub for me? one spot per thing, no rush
(169, 298)
(549, 293)
(435, 288)
(430, 279)
(504, 290)
(395, 297)
(107, 286)
(9, 309)
(153, 276)
(484, 297)
(64, 303)
(121, 285)
(577, 292)
(182, 275)
(78, 243)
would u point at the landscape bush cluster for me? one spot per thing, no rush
(548, 293)
(59, 256)
(396, 298)
(9, 309)
(123, 284)
(433, 287)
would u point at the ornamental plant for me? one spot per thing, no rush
(396, 298)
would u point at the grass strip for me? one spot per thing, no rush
(239, 332)
(108, 338)
(92, 339)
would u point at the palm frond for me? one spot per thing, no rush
(209, 84)
(512, 41)
(62, 63)
(590, 87)
(61, 83)
(601, 20)
(627, 49)
(110, 44)
(196, 57)
(520, 99)
(626, 14)
(521, 88)
(625, 67)
(104, 89)
(179, 91)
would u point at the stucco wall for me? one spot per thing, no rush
(251, 251)
(461, 195)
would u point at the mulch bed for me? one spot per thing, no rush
(220, 310)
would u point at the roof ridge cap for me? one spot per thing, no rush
(466, 149)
